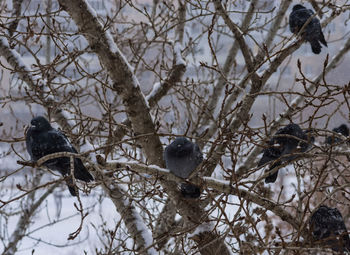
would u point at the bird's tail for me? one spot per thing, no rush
(72, 189)
(315, 46)
(346, 242)
(272, 177)
(322, 40)
(80, 171)
(190, 190)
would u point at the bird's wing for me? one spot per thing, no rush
(338, 218)
(59, 142)
(67, 140)
(270, 154)
(29, 141)
(38, 144)
(293, 23)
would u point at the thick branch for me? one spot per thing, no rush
(273, 29)
(182, 17)
(127, 87)
(35, 83)
(124, 81)
(165, 222)
(175, 76)
(237, 33)
(15, 60)
(219, 185)
(132, 219)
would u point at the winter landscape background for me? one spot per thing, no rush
(196, 77)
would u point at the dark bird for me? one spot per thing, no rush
(327, 226)
(189, 190)
(282, 146)
(312, 32)
(42, 140)
(342, 129)
(182, 157)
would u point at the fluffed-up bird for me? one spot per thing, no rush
(182, 157)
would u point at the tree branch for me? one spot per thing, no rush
(218, 88)
(16, 12)
(242, 114)
(251, 159)
(209, 182)
(124, 81)
(127, 87)
(237, 33)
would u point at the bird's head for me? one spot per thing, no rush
(298, 7)
(343, 129)
(40, 124)
(180, 147)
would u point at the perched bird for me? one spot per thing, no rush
(312, 32)
(342, 129)
(182, 157)
(42, 140)
(327, 225)
(282, 147)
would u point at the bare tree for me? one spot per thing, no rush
(122, 79)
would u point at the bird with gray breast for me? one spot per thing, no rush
(182, 157)
(42, 139)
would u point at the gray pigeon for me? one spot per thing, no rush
(182, 157)
(312, 32)
(282, 146)
(42, 140)
(327, 227)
